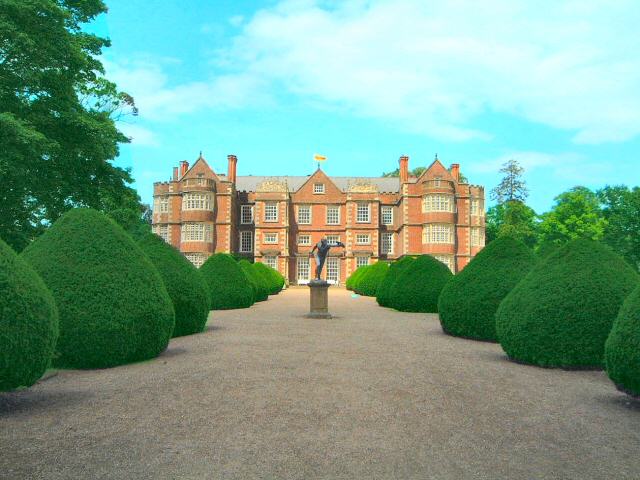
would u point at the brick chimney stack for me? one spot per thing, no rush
(404, 169)
(184, 166)
(175, 174)
(231, 169)
(455, 171)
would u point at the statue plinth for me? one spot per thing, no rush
(319, 299)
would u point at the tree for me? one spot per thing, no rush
(416, 172)
(621, 210)
(576, 214)
(512, 187)
(513, 219)
(57, 117)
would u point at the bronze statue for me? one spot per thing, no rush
(320, 251)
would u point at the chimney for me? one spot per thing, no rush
(184, 166)
(231, 169)
(175, 174)
(404, 169)
(455, 171)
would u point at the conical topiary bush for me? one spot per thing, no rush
(185, 284)
(228, 285)
(354, 279)
(383, 295)
(622, 348)
(418, 287)
(258, 282)
(274, 279)
(28, 322)
(114, 307)
(561, 313)
(371, 278)
(468, 303)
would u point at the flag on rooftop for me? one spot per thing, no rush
(319, 158)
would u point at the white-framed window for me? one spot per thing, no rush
(246, 241)
(246, 214)
(333, 214)
(386, 243)
(271, 261)
(446, 259)
(437, 202)
(333, 239)
(304, 239)
(302, 269)
(363, 239)
(196, 201)
(333, 270)
(387, 215)
(363, 212)
(271, 212)
(164, 204)
(477, 237)
(437, 181)
(475, 206)
(361, 261)
(162, 230)
(270, 237)
(195, 232)
(304, 214)
(437, 233)
(200, 180)
(318, 188)
(197, 259)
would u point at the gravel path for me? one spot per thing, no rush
(372, 393)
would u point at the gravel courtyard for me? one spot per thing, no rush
(371, 393)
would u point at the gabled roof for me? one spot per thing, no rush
(250, 183)
(201, 163)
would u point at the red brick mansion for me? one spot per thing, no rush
(278, 219)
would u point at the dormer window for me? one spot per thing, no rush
(318, 188)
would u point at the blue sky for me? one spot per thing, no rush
(555, 85)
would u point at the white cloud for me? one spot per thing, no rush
(426, 67)
(140, 136)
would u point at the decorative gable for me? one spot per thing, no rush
(200, 169)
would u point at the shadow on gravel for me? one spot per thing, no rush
(211, 328)
(172, 352)
(619, 400)
(30, 401)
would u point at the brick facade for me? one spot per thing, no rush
(278, 219)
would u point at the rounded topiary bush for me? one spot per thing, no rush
(468, 303)
(354, 279)
(383, 295)
(275, 281)
(561, 313)
(258, 282)
(622, 348)
(28, 322)
(371, 278)
(114, 307)
(185, 284)
(418, 286)
(228, 285)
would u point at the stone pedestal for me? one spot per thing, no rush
(319, 299)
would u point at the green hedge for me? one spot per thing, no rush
(274, 279)
(383, 295)
(185, 284)
(28, 322)
(561, 313)
(228, 285)
(371, 278)
(258, 282)
(419, 285)
(468, 303)
(114, 307)
(354, 279)
(622, 348)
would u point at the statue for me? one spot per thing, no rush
(322, 247)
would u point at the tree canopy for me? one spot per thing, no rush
(512, 186)
(57, 117)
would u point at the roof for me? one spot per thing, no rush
(250, 183)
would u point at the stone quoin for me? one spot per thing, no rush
(277, 219)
